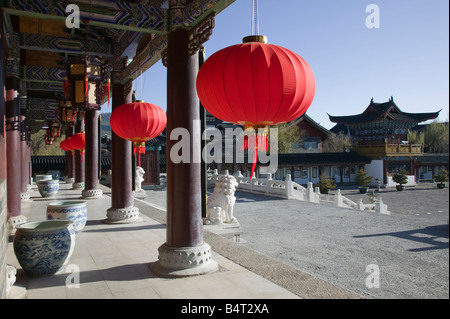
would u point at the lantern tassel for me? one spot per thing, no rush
(261, 142)
(85, 86)
(109, 90)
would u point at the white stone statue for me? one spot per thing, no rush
(220, 204)
(139, 179)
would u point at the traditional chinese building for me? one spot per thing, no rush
(381, 132)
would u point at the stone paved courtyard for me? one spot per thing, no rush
(410, 246)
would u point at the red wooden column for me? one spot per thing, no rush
(13, 153)
(122, 201)
(79, 158)
(70, 158)
(184, 253)
(25, 154)
(91, 190)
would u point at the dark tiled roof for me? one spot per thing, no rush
(376, 111)
(433, 158)
(322, 158)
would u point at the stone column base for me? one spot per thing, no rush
(14, 221)
(92, 193)
(78, 185)
(125, 215)
(70, 180)
(139, 194)
(184, 261)
(24, 196)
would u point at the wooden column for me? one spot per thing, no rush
(79, 158)
(91, 189)
(122, 202)
(25, 156)
(70, 158)
(13, 153)
(184, 252)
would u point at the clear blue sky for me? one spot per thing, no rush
(407, 57)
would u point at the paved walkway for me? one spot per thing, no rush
(113, 262)
(409, 248)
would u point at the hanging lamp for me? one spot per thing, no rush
(256, 84)
(138, 122)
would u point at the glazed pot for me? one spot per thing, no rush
(74, 210)
(42, 177)
(363, 190)
(399, 187)
(44, 247)
(48, 187)
(441, 185)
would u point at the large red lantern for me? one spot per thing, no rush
(77, 142)
(138, 122)
(63, 145)
(256, 84)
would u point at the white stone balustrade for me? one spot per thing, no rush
(290, 190)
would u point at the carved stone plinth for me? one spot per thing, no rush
(184, 261)
(70, 180)
(139, 194)
(78, 185)
(24, 196)
(122, 215)
(14, 221)
(92, 193)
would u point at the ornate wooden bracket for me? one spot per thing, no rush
(197, 36)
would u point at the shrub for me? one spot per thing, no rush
(442, 176)
(401, 177)
(325, 183)
(362, 179)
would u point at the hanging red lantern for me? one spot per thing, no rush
(63, 145)
(77, 142)
(256, 84)
(138, 122)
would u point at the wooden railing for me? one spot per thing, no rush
(388, 149)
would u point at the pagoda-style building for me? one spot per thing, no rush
(381, 132)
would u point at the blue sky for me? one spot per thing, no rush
(407, 57)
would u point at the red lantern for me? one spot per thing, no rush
(63, 145)
(77, 141)
(138, 122)
(256, 84)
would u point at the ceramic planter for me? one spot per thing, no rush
(399, 187)
(441, 186)
(363, 190)
(42, 177)
(48, 187)
(44, 247)
(75, 211)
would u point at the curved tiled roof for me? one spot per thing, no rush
(377, 111)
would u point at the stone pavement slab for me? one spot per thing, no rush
(112, 261)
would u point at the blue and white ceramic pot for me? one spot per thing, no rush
(42, 177)
(44, 247)
(48, 187)
(73, 210)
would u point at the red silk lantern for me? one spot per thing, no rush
(138, 122)
(63, 145)
(77, 142)
(256, 84)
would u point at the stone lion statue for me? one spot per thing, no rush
(139, 179)
(220, 204)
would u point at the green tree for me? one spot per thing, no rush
(288, 134)
(436, 137)
(336, 143)
(362, 178)
(325, 183)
